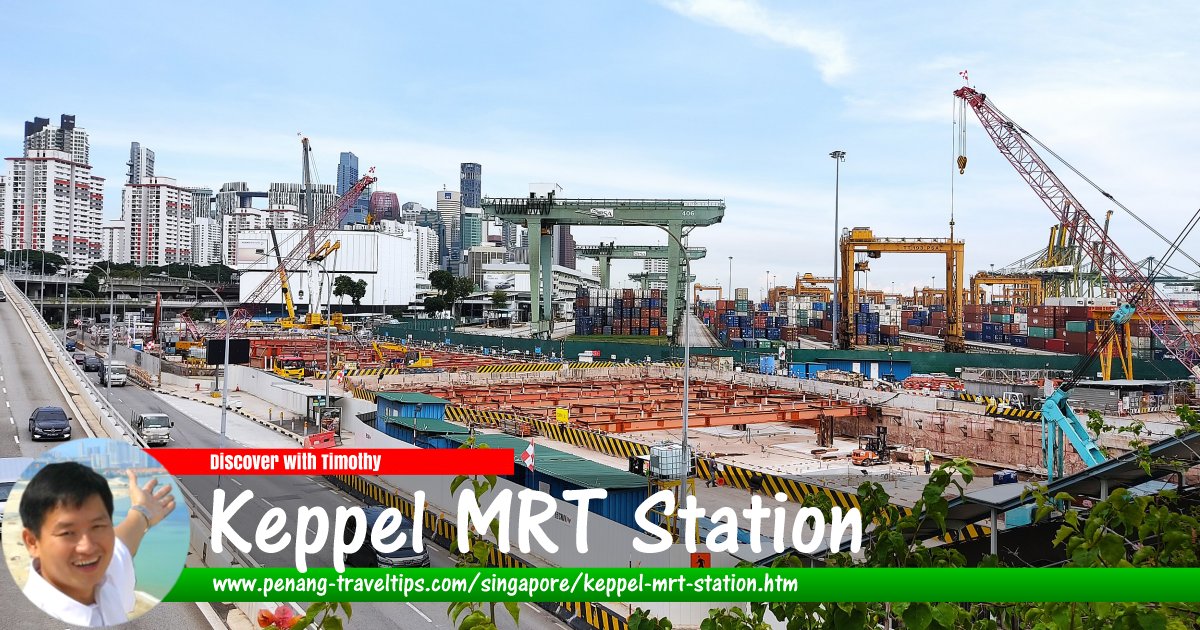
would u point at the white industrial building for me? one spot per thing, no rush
(387, 262)
(53, 203)
(158, 219)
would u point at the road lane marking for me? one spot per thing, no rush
(266, 501)
(235, 481)
(12, 420)
(16, 439)
(418, 611)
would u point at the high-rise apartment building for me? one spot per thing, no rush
(141, 164)
(656, 265)
(470, 184)
(426, 240)
(52, 202)
(206, 241)
(320, 197)
(41, 135)
(203, 203)
(158, 219)
(284, 218)
(385, 206)
(233, 224)
(449, 209)
(232, 197)
(114, 247)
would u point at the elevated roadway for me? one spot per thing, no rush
(27, 382)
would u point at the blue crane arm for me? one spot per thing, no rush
(1058, 420)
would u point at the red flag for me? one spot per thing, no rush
(527, 457)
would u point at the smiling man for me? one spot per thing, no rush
(82, 569)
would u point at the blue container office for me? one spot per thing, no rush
(410, 405)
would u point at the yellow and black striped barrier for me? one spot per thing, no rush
(1012, 412)
(983, 400)
(363, 393)
(600, 442)
(518, 367)
(444, 531)
(584, 365)
(470, 416)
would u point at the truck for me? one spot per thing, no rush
(114, 373)
(154, 428)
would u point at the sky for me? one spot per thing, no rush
(741, 100)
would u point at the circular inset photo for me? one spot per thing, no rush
(95, 532)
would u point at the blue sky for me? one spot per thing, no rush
(736, 99)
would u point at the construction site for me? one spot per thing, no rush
(821, 387)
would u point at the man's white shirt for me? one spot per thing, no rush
(114, 597)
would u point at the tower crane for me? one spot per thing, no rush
(1136, 292)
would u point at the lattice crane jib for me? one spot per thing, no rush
(326, 223)
(1122, 274)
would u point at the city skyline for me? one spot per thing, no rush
(738, 100)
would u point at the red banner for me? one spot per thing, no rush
(339, 461)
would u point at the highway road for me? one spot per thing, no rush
(25, 384)
(289, 493)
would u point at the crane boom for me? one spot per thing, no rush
(1122, 274)
(283, 281)
(325, 224)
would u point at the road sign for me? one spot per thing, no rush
(701, 560)
(562, 415)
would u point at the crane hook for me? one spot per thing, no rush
(962, 164)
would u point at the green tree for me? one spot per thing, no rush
(499, 298)
(353, 289)
(476, 618)
(435, 304)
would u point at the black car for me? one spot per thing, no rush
(3, 297)
(79, 357)
(367, 556)
(49, 423)
(92, 364)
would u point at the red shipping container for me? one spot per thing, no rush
(1077, 338)
(1037, 343)
(1056, 345)
(973, 326)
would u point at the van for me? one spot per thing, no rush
(154, 428)
(114, 373)
(369, 557)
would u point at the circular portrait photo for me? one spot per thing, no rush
(95, 532)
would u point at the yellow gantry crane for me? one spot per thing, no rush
(1021, 289)
(861, 240)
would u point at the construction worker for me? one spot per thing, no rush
(928, 461)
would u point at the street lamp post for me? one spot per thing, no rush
(687, 342)
(225, 367)
(838, 158)
(111, 322)
(730, 277)
(328, 336)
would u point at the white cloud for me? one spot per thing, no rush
(749, 18)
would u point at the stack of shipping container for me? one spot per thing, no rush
(1063, 325)
(620, 312)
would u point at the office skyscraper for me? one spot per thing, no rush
(470, 184)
